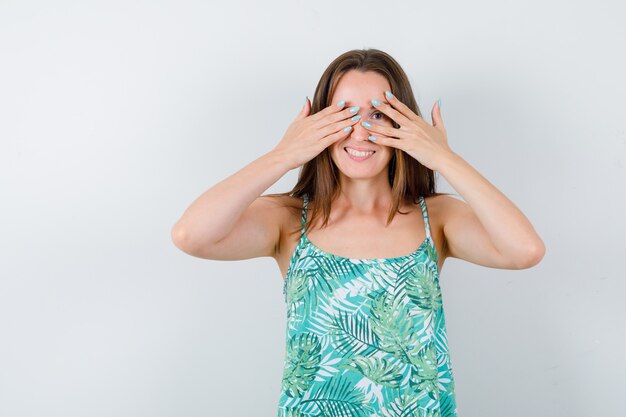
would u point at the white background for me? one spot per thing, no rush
(116, 115)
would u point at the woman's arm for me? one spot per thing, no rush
(230, 221)
(487, 229)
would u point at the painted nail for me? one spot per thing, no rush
(354, 109)
(347, 128)
(356, 117)
(365, 124)
(341, 103)
(306, 99)
(375, 102)
(440, 103)
(371, 138)
(388, 94)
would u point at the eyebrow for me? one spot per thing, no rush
(352, 105)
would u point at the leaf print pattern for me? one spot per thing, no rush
(378, 370)
(423, 290)
(365, 337)
(425, 376)
(393, 326)
(337, 399)
(302, 364)
(348, 333)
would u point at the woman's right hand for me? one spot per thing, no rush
(308, 135)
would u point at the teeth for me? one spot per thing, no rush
(358, 153)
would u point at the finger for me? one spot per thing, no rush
(381, 130)
(336, 136)
(339, 125)
(331, 109)
(436, 115)
(395, 115)
(401, 107)
(305, 111)
(386, 141)
(347, 113)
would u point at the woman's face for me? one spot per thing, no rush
(358, 89)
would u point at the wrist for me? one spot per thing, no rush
(278, 158)
(446, 160)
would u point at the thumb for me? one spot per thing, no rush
(306, 110)
(436, 115)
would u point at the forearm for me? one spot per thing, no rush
(509, 229)
(214, 213)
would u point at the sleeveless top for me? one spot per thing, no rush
(365, 337)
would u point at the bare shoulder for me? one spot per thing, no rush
(288, 214)
(282, 205)
(286, 210)
(444, 205)
(441, 208)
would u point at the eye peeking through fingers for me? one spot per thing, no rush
(381, 118)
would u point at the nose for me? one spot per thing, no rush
(359, 133)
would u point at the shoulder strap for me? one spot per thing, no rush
(425, 213)
(304, 210)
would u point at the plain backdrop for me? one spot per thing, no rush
(116, 115)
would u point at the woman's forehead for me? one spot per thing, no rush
(361, 85)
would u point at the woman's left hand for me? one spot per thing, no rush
(424, 142)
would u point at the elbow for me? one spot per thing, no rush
(180, 238)
(534, 254)
(188, 242)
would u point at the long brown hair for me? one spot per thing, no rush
(319, 177)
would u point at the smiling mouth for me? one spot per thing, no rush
(358, 155)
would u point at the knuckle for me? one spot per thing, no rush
(330, 129)
(335, 136)
(334, 109)
(337, 117)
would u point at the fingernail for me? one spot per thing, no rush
(306, 99)
(439, 103)
(365, 124)
(354, 109)
(341, 103)
(375, 102)
(371, 138)
(356, 117)
(388, 94)
(347, 128)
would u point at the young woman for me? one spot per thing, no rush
(366, 332)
